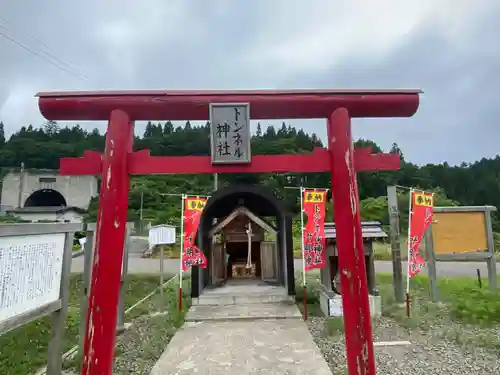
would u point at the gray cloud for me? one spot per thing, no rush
(449, 49)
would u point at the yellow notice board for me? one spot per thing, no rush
(459, 232)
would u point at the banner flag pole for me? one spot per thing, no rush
(408, 308)
(183, 199)
(304, 279)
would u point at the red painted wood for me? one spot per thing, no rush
(141, 163)
(89, 164)
(355, 304)
(99, 344)
(117, 164)
(180, 299)
(47, 94)
(194, 105)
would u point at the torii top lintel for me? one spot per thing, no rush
(194, 105)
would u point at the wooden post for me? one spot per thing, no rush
(490, 262)
(355, 303)
(120, 325)
(87, 269)
(100, 335)
(325, 272)
(162, 278)
(397, 266)
(430, 257)
(54, 361)
(22, 178)
(370, 268)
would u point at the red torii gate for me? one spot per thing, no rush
(122, 108)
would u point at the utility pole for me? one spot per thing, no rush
(214, 221)
(216, 181)
(21, 187)
(140, 212)
(397, 267)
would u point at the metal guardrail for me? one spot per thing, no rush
(78, 253)
(4, 209)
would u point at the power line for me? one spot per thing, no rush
(70, 64)
(42, 57)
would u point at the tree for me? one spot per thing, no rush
(149, 131)
(51, 128)
(168, 128)
(259, 130)
(467, 184)
(2, 134)
(396, 150)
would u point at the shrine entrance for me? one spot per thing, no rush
(246, 234)
(229, 113)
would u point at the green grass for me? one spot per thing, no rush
(162, 327)
(24, 350)
(334, 325)
(461, 301)
(462, 307)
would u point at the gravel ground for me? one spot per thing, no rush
(441, 349)
(138, 349)
(141, 345)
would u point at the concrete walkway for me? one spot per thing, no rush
(243, 327)
(267, 346)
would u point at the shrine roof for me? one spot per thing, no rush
(370, 229)
(257, 199)
(257, 204)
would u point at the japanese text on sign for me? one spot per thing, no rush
(423, 199)
(314, 231)
(30, 272)
(192, 255)
(230, 133)
(314, 196)
(195, 204)
(420, 219)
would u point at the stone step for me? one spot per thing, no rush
(243, 312)
(238, 299)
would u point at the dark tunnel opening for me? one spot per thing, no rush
(45, 198)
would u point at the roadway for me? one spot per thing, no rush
(137, 265)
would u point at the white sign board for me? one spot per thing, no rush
(161, 235)
(30, 272)
(335, 306)
(230, 133)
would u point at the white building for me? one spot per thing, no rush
(62, 214)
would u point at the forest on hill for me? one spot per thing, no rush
(475, 183)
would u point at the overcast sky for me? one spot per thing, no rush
(448, 48)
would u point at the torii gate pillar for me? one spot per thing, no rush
(355, 304)
(110, 233)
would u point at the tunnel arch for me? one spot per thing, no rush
(261, 201)
(45, 198)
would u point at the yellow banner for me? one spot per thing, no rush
(195, 204)
(423, 199)
(311, 196)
